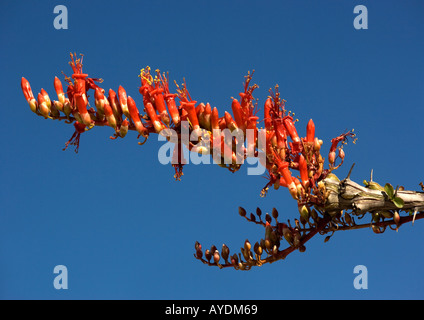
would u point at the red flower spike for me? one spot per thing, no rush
(310, 131)
(135, 116)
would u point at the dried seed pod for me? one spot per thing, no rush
(197, 245)
(213, 249)
(225, 252)
(275, 213)
(348, 218)
(252, 217)
(268, 218)
(234, 259)
(302, 248)
(216, 256)
(258, 249)
(296, 239)
(208, 255)
(258, 212)
(396, 218)
(199, 253)
(242, 212)
(247, 245)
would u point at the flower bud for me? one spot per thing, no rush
(317, 145)
(43, 107)
(304, 213)
(46, 98)
(242, 212)
(123, 129)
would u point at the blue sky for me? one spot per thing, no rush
(115, 217)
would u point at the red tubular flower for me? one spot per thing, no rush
(99, 102)
(310, 131)
(238, 114)
(59, 90)
(303, 168)
(123, 101)
(29, 96)
(267, 114)
(114, 103)
(188, 106)
(42, 106)
(135, 116)
(151, 112)
(280, 132)
(207, 117)
(251, 125)
(111, 120)
(172, 107)
(160, 106)
(215, 119)
(81, 103)
(123, 129)
(231, 124)
(46, 98)
(291, 129)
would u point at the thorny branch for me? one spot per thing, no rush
(326, 204)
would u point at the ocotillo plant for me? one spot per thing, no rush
(326, 203)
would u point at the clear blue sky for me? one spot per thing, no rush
(115, 216)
